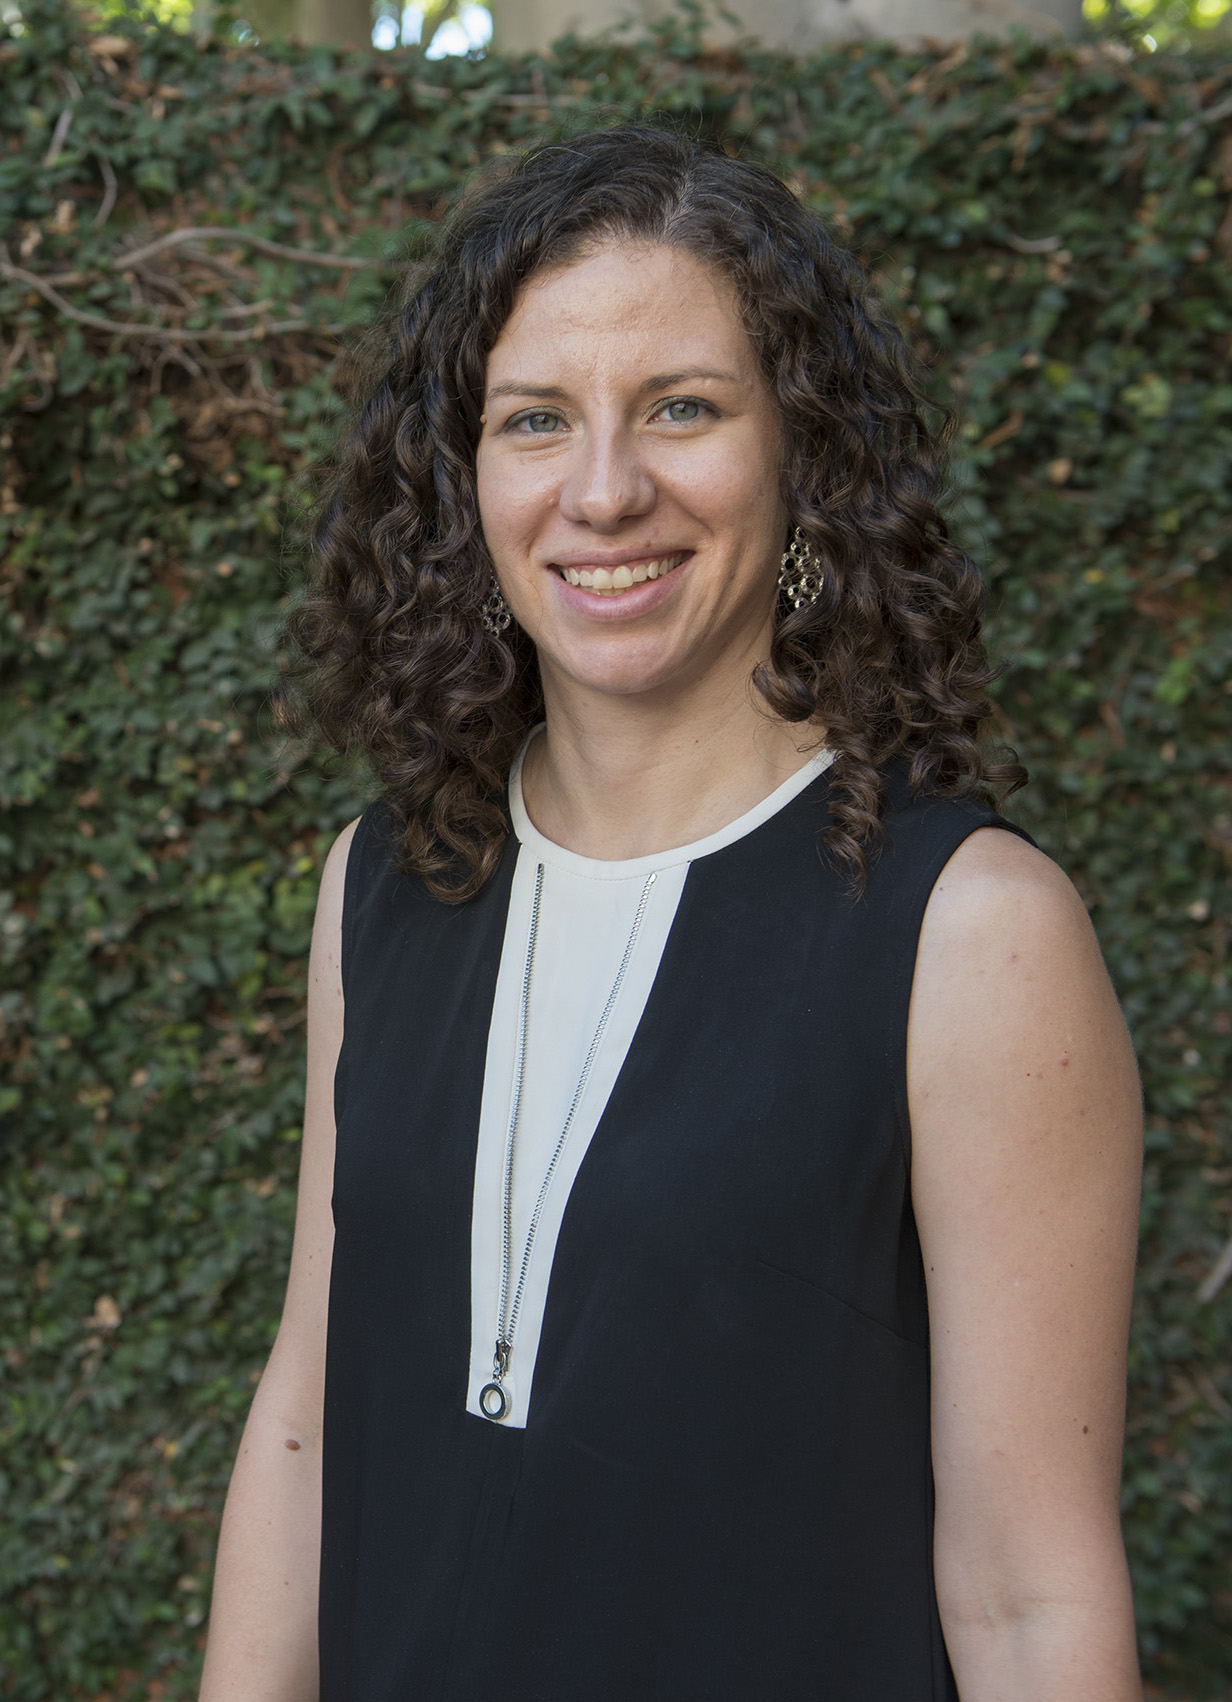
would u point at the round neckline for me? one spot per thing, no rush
(630, 868)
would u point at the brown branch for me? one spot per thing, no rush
(169, 285)
(181, 357)
(199, 233)
(1033, 244)
(16, 350)
(164, 333)
(58, 136)
(1212, 115)
(1002, 433)
(251, 405)
(432, 91)
(1218, 1274)
(216, 263)
(244, 310)
(517, 102)
(110, 190)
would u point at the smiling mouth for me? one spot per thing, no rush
(613, 581)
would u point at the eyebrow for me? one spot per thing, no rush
(668, 380)
(545, 392)
(660, 381)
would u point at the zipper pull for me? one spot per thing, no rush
(494, 1402)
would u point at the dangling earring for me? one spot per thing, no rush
(800, 577)
(495, 611)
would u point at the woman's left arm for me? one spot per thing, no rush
(1026, 1138)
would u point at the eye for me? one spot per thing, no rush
(683, 411)
(540, 421)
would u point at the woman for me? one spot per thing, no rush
(736, 1135)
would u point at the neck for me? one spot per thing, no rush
(616, 778)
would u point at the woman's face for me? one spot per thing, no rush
(628, 475)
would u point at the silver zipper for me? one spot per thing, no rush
(494, 1400)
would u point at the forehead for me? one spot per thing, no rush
(624, 305)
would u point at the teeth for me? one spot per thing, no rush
(611, 581)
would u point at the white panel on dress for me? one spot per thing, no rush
(586, 913)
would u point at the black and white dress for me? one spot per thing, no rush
(714, 1477)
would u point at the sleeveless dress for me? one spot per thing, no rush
(722, 1490)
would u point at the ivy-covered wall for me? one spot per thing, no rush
(187, 230)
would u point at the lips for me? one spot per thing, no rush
(613, 581)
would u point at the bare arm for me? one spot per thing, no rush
(1026, 1131)
(263, 1620)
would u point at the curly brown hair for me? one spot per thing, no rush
(397, 663)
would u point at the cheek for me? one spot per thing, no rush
(733, 489)
(512, 500)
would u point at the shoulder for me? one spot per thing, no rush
(996, 884)
(1012, 1010)
(327, 928)
(340, 850)
(1002, 916)
(1004, 931)
(333, 875)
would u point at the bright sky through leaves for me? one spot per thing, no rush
(1200, 14)
(468, 31)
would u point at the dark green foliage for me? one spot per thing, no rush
(1053, 228)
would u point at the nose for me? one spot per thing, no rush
(607, 482)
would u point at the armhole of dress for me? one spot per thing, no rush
(909, 942)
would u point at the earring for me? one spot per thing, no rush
(495, 613)
(800, 577)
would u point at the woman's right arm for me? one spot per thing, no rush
(262, 1643)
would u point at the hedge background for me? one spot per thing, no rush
(1053, 227)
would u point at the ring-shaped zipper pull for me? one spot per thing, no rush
(494, 1402)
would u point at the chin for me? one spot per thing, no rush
(621, 675)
